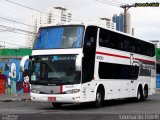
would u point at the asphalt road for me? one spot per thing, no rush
(112, 110)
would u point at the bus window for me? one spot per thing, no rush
(59, 37)
(117, 71)
(90, 37)
(119, 41)
(105, 38)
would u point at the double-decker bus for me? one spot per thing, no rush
(88, 63)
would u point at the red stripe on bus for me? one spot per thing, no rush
(61, 88)
(120, 56)
(114, 55)
(142, 60)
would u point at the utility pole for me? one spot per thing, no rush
(126, 7)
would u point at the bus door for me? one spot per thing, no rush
(134, 72)
(88, 61)
(86, 92)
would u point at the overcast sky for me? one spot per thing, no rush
(145, 21)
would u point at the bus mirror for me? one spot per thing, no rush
(22, 63)
(79, 62)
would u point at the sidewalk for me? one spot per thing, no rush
(14, 97)
(157, 91)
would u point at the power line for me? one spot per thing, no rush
(24, 6)
(12, 8)
(108, 3)
(17, 22)
(35, 9)
(15, 29)
(112, 2)
(11, 40)
(8, 34)
(118, 2)
(16, 32)
(12, 43)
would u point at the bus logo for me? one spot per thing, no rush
(52, 91)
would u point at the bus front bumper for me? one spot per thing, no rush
(56, 98)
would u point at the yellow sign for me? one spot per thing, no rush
(153, 4)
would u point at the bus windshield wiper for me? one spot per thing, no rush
(54, 78)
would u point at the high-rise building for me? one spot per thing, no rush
(119, 20)
(106, 23)
(58, 15)
(52, 15)
(115, 20)
(128, 23)
(32, 20)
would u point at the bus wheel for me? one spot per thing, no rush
(99, 98)
(57, 105)
(139, 94)
(145, 93)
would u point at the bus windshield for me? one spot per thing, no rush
(54, 69)
(59, 37)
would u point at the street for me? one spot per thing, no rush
(113, 109)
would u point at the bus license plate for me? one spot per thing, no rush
(51, 98)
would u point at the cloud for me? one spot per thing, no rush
(146, 22)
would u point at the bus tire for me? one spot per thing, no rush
(139, 94)
(99, 98)
(57, 105)
(145, 93)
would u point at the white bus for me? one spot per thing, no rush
(87, 63)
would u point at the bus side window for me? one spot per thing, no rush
(134, 70)
(126, 45)
(105, 38)
(106, 43)
(90, 37)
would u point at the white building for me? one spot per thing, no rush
(59, 15)
(103, 22)
(32, 22)
(106, 23)
(52, 15)
(128, 23)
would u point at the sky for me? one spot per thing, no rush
(144, 20)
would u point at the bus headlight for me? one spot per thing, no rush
(72, 91)
(35, 91)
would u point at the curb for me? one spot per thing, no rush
(17, 97)
(11, 100)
